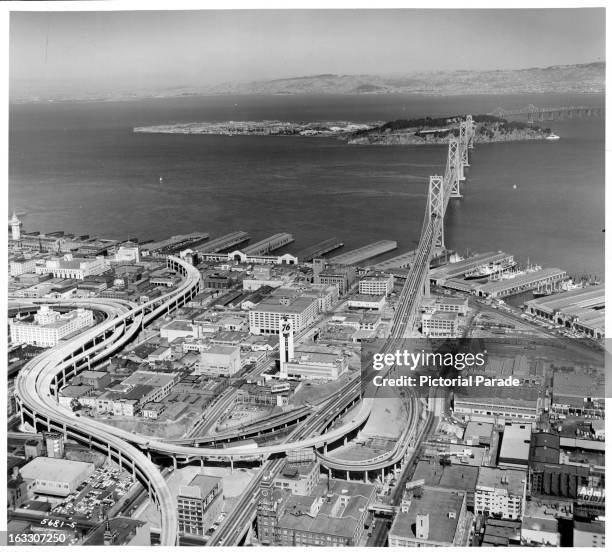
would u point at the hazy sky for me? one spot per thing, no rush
(72, 51)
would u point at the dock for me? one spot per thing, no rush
(181, 241)
(318, 249)
(454, 270)
(366, 252)
(582, 309)
(269, 244)
(400, 261)
(224, 242)
(524, 282)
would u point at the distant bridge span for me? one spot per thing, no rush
(540, 114)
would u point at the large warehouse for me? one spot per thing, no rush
(56, 476)
(581, 309)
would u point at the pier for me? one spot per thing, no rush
(400, 261)
(175, 243)
(454, 270)
(224, 242)
(524, 282)
(319, 249)
(366, 252)
(580, 309)
(269, 244)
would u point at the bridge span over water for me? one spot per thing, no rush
(539, 114)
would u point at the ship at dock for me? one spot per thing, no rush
(484, 271)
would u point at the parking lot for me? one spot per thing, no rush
(97, 494)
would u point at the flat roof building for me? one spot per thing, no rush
(440, 324)
(333, 514)
(514, 451)
(56, 476)
(49, 326)
(500, 491)
(265, 318)
(436, 518)
(199, 504)
(317, 362)
(219, 360)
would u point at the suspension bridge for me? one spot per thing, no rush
(539, 114)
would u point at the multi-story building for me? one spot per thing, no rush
(446, 304)
(96, 378)
(49, 326)
(316, 362)
(498, 405)
(72, 267)
(440, 324)
(199, 504)
(500, 491)
(299, 477)
(333, 514)
(128, 253)
(376, 284)
(514, 450)
(265, 318)
(343, 277)
(219, 360)
(589, 535)
(578, 394)
(128, 398)
(436, 518)
(20, 266)
(56, 476)
(54, 444)
(371, 302)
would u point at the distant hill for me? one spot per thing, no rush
(583, 78)
(580, 79)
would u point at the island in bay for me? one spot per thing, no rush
(427, 130)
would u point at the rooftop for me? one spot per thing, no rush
(455, 476)
(339, 515)
(515, 443)
(544, 448)
(200, 486)
(440, 507)
(54, 469)
(478, 429)
(593, 527)
(295, 305)
(502, 478)
(153, 379)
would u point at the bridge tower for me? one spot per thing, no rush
(463, 148)
(470, 128)
(436, 210)
(453, 162)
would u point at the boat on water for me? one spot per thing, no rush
(484, 271)
(548, 289)
(552, 136)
